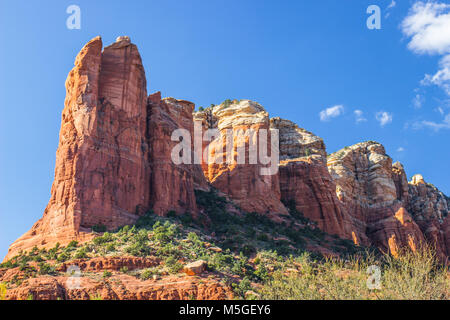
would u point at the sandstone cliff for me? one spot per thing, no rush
(101, 172)
(113, 158)
(430, 209)
(241, 178)
(373, 191)
(296, 142)
(304, 180)
(172, 184)
(115, 162)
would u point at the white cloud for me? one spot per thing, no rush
(359, 116)
(392, 4)
(418, 100)
(400, 149)
(442, 77)
(428, 26)
(440, 110)
(384, 118)
(389, 8)
(436, 126)
(331, 112)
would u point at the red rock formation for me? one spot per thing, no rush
(307, 183)
(172, 184)
(401, 183)
(430, 209)
(113, 160)
(373, 192)
(98, 264)
(102, 171)
(123, 287)
(244, 183)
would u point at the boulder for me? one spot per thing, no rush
(195, 268)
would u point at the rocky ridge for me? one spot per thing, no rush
(114, 164)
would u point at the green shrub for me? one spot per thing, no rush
(110, 247)
(227, 103)
(145, 221)
(171, 214)
(64, 256)
(81, 253)
(72, 244)
(242, 287)
(105, 238)
(147, 274)
(45, 268)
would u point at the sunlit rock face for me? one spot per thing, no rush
(102, 171)
(242, 181)
(304, 180)
(297, 142)
(113, 160)
(363, 174)
(430, 209)
(373, 191)
(172, 184)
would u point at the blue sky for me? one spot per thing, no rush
(313, 62)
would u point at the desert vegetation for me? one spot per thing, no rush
(410, 276)
(256, 257)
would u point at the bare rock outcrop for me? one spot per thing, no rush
(101, 172)
(401, 182)
(122, 287)
(373, 191)
(363, 174)
(305, 181)
(430, 209)
(297, 142)
(172, 184)
(237, 177)
(113, 161)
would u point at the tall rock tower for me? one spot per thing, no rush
(102, 172)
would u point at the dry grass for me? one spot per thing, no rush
(2, 291)
(411, 276)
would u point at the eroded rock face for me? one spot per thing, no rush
(172, 184)
(401, 182)
(430, 209)
(296, 142)
(363, 174)
(113, 161)
(306, 183)
(242, 181)
(102, 172)
(123, 287)
(373, 191)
